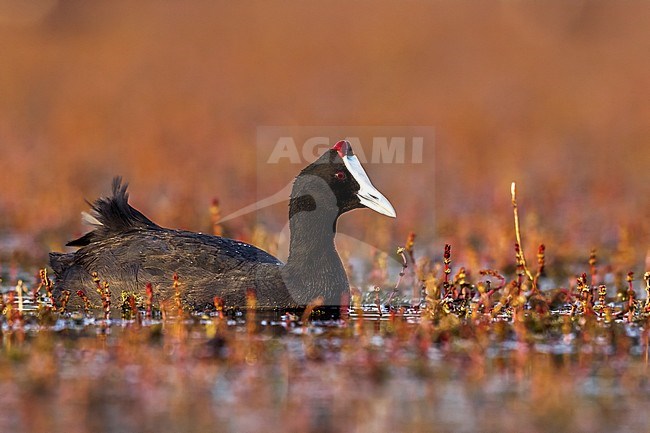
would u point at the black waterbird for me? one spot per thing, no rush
(127, 250)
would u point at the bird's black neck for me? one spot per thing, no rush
(312, 227)
(313, 268)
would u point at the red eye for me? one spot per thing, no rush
(340, 175)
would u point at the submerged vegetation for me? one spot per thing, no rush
(445, 348)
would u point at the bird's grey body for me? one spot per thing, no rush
(217, 266)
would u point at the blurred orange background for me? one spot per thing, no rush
(554, 95)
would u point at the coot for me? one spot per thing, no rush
(127, 250)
